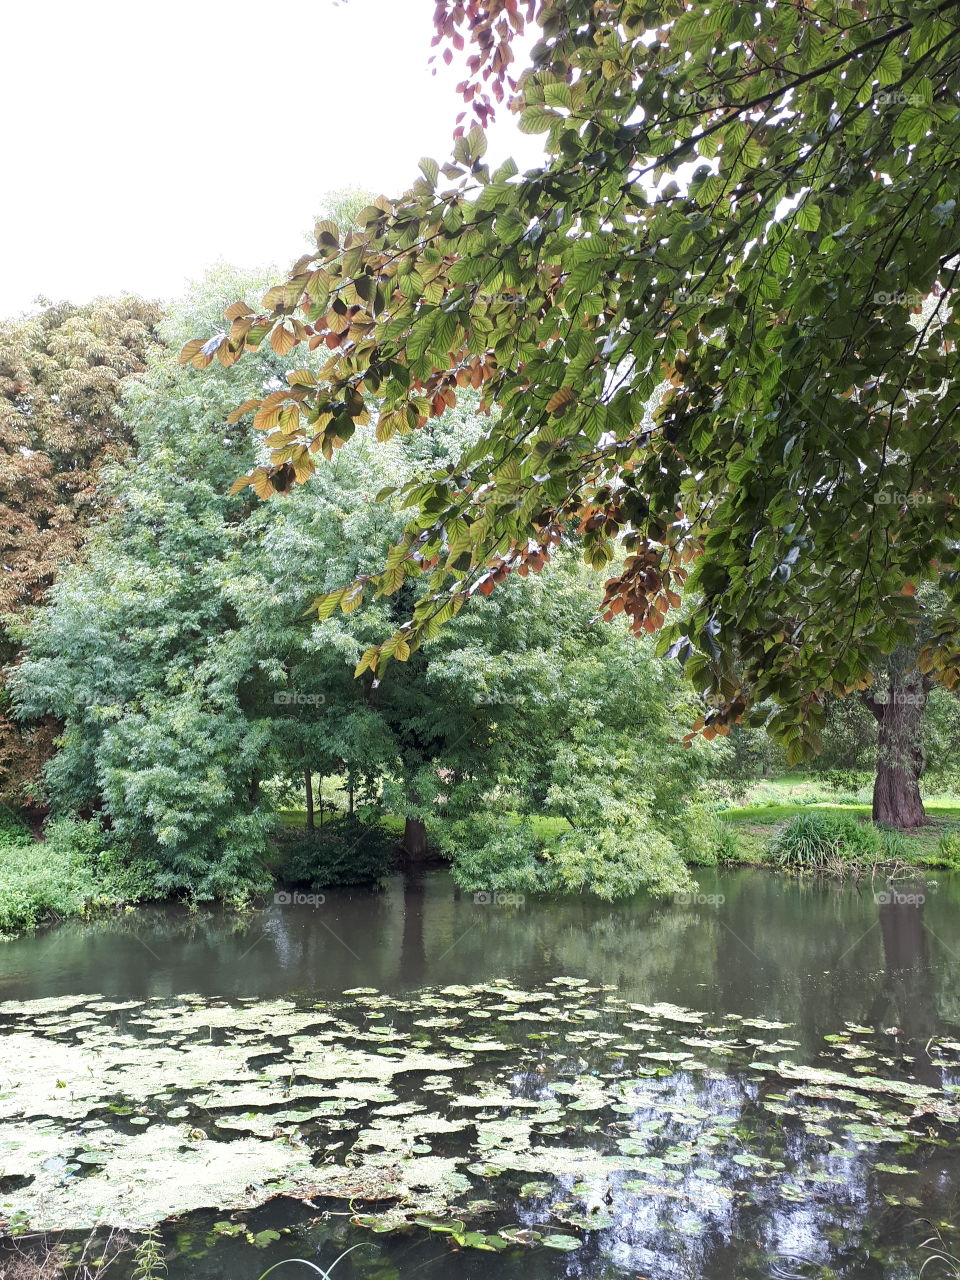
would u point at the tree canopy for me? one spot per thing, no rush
(716, 328)
(61, 373)
(195, 697)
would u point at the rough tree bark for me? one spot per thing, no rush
(900, 755)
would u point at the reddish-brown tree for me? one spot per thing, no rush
(61, 371)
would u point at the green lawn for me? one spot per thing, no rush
(771, 803)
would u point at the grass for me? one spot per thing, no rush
(769, 805)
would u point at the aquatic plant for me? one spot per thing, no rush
(149, 1260)
(938, 1252)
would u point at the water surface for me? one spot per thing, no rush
(818, 957)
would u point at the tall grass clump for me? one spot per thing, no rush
(832, 842)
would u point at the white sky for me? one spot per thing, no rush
(140, 125)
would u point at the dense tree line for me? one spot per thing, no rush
(195, 700)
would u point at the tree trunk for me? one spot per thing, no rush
(900, 756)
(308, 791)
(414, 843)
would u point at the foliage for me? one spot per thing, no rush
(13, 830)
(702, 321)
(65, 875)
(717, 843)
(193, 693)
(149, 1259)
(825, 841)
(61, 374)
(343, 851)
(941, 734)
(137, 653)
(846, 779)
(753, 754)
(948, 852)
(566, 743)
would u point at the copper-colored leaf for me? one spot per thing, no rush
(242, 409)
(283, 340)
(267, 418)
(191, 349)
(560, 398)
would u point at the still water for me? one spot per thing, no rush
(815, 959)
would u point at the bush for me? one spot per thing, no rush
(342, 851)
(818, 841)
(13, 830)
(948, 852)
(711, 842)
(849, 780)
(726, 843)
(62, 875)
(620, 852)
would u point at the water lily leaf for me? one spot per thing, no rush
(560, 1242)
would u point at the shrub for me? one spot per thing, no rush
(13, 830)
(850, 780)
(819, 841)
(726, 843)
(620, 851)
(710, 841)
(948, 852)
(342, 851)
(61, 875)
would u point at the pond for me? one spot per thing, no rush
(760, 1081)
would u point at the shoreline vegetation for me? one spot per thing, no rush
(798, 823)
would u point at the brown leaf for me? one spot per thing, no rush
(191, 349)
(283, 340)
(560, 398)
(242, 409)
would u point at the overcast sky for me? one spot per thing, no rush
(138, 127)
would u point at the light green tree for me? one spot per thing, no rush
(187, 676)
